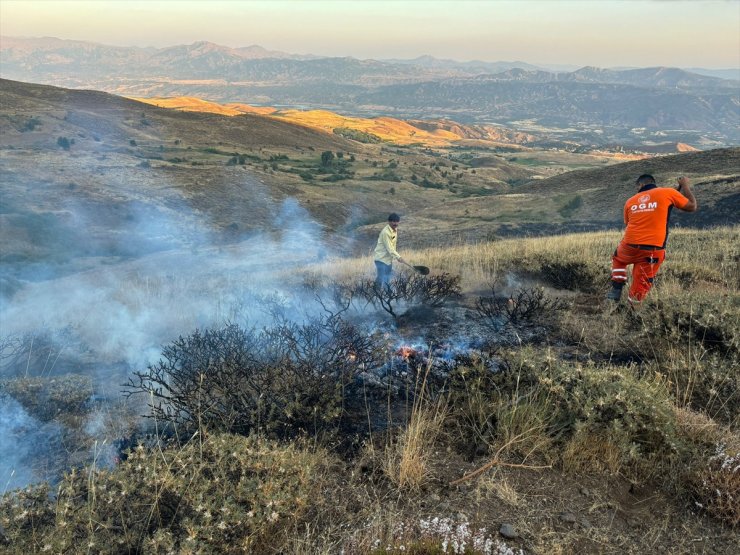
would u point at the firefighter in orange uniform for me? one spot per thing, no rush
(643, 245)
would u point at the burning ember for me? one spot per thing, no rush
(406, 352)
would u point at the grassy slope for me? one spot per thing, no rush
(599, 486)
(715, 173)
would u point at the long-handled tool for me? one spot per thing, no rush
(423, 270)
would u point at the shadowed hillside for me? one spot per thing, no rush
(584, 200)
(121, 120)
(715, 174)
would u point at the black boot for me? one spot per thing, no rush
(616, 291)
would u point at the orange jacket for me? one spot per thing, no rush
(646, 215)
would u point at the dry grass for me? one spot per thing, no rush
(407, 459)
(479, 264)
(587, 451)
(497, 484)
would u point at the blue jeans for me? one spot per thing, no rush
(384, 272)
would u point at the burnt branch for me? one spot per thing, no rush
(524, 305)
(281, 379)
(409, 288)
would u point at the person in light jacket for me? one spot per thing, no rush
(385, 250)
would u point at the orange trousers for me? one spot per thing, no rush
(645, 262)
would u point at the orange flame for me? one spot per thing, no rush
(405, 351)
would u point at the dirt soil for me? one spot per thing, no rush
(553, 512)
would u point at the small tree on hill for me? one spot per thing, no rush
(327, 157)
(63, 142)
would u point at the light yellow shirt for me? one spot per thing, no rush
(385, 250)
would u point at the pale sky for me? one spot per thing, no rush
(605, 33)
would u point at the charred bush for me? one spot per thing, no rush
(409, 288)
(280, 380)
(572, 275)
(524, 305)
(437, 289)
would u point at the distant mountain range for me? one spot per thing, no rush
(596, 105)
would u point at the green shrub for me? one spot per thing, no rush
(47, 398)
(695, 344)
(31, 124)
(572, 275)
(716, 484)
(704, 381)
(711, 322)
(570, 207)
(472, 394)
(356, 135)
(594, 408)
(219, 494)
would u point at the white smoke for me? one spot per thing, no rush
(118, 314)
(20, 437)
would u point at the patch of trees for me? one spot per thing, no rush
(336, 166)
(31, 124)
(65, 143)
(569, 208)
(356, 135)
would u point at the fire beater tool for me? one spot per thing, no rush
(423, 270)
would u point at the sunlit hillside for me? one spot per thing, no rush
(193, 104)
(439, 133)
(382, 129)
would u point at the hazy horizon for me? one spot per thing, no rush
(638, 33)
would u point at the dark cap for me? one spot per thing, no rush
(645, 179)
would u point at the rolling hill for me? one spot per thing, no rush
(386, 129)
(590, 199)
(104, 176)
(89, 177)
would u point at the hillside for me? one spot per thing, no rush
(193, 360)
(118, 163)
(87, 175)
(585, 199)
(522, 415)
(71, 111)
(592, 106)
(715, 174)
(372, 130)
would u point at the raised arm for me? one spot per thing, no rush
(685, 189)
